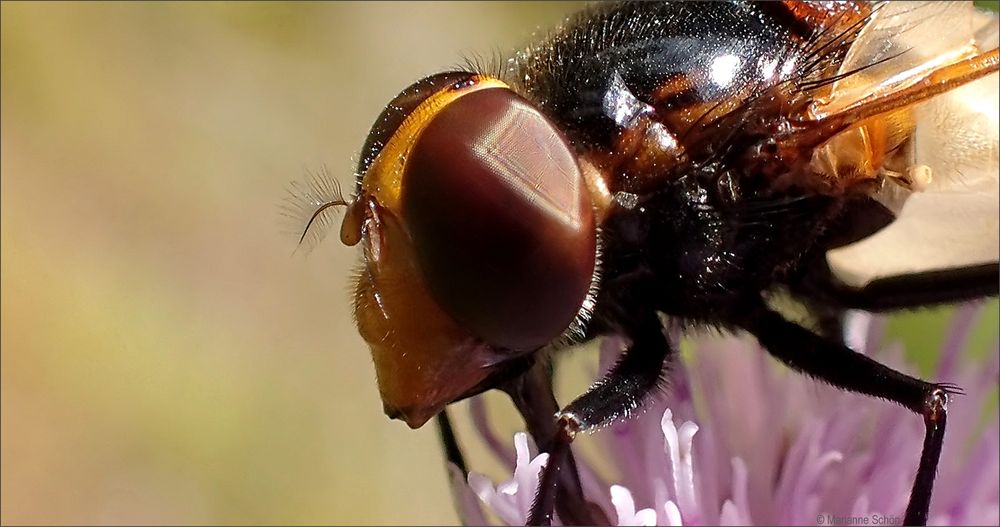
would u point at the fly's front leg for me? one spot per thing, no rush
(844, 368)
(452, 452)
(637, 374)
(532, 395)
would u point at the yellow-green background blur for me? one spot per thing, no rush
(165, 357)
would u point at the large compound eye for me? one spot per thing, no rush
(500, 219)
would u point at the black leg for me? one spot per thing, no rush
(838, 365)
(623, 389)
(452, 452)
(533, 397)
(899, 292)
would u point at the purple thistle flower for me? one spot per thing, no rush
(739, 440)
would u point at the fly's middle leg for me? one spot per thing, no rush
(628, 384)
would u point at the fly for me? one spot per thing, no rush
(683, 160)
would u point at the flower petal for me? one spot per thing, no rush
(673, 514)
(625, 508)
(464, 499)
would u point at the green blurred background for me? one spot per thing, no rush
(165, 357)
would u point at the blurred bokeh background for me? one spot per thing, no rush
(166, 359)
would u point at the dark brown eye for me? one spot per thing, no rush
(500, 219)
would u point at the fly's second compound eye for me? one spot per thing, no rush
(500, 219)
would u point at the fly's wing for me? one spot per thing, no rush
(953, 221)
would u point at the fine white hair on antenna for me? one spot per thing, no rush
(310, 206)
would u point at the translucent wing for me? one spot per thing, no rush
(952, 218)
